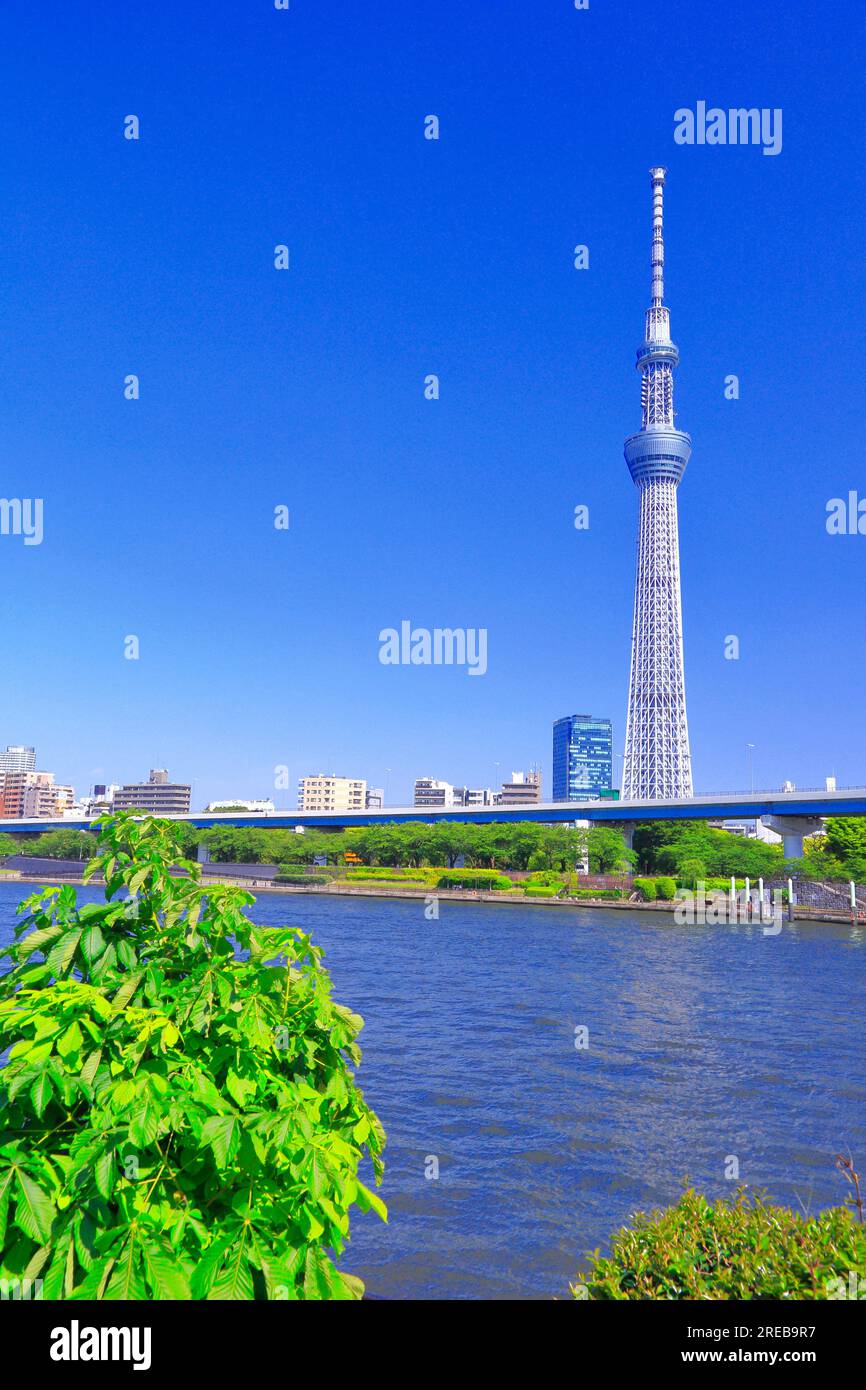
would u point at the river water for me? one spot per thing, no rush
(706, 1044)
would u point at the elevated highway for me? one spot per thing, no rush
(792, 814)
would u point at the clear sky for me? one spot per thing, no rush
(305, 387)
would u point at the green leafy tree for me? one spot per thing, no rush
(8, 846)
(61, 844)
(447, 841)
(650, 839)
(845, 842)
(178, 1114)
(238, 844)
(608, 852)
(692, 872)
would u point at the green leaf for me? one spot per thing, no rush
(60, 956)
(105, 1173)
(71, 1040)
(205, 1271)
(126, 954)
(367, 1199)
(91, 1066)
(34, 1210)
(253, 1023)
(41, 1092)
(354, 1285)
(144, 1125)
(52, 1283)
(235, 1279)
(166, 1278)
(310, 1223)
(37, 940)
(318, 1278)
(127, 1281)
(137, 879)
(5, 1193)
(239, 1089)
(222, 1132)
(126, 991)
(92, 943)
(124, 1092)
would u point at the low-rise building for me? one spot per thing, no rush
(236, 803)
(327, 792)
(100, 799)
(474, 796)
(33, 795)
(524, 789)
(157, 795)
(750, 830)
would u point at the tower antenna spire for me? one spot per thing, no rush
(658, 249)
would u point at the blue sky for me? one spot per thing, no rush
(305, 388)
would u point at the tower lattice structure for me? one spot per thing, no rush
(657, 761)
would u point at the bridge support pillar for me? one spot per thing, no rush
(793, 830)
(582, 866)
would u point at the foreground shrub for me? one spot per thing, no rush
(540, 890)
(647, 888)
(178, 1117)
(603, 893)
(738, 1249)
(666, 889)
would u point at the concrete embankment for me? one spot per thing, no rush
(341, 889)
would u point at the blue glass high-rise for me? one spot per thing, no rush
(582, 757)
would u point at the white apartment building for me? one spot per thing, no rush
(325, 792)
(430, 793)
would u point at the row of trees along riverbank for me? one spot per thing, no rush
(686, 850)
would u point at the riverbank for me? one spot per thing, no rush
(341, 889)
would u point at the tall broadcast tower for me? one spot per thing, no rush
(657, 759)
